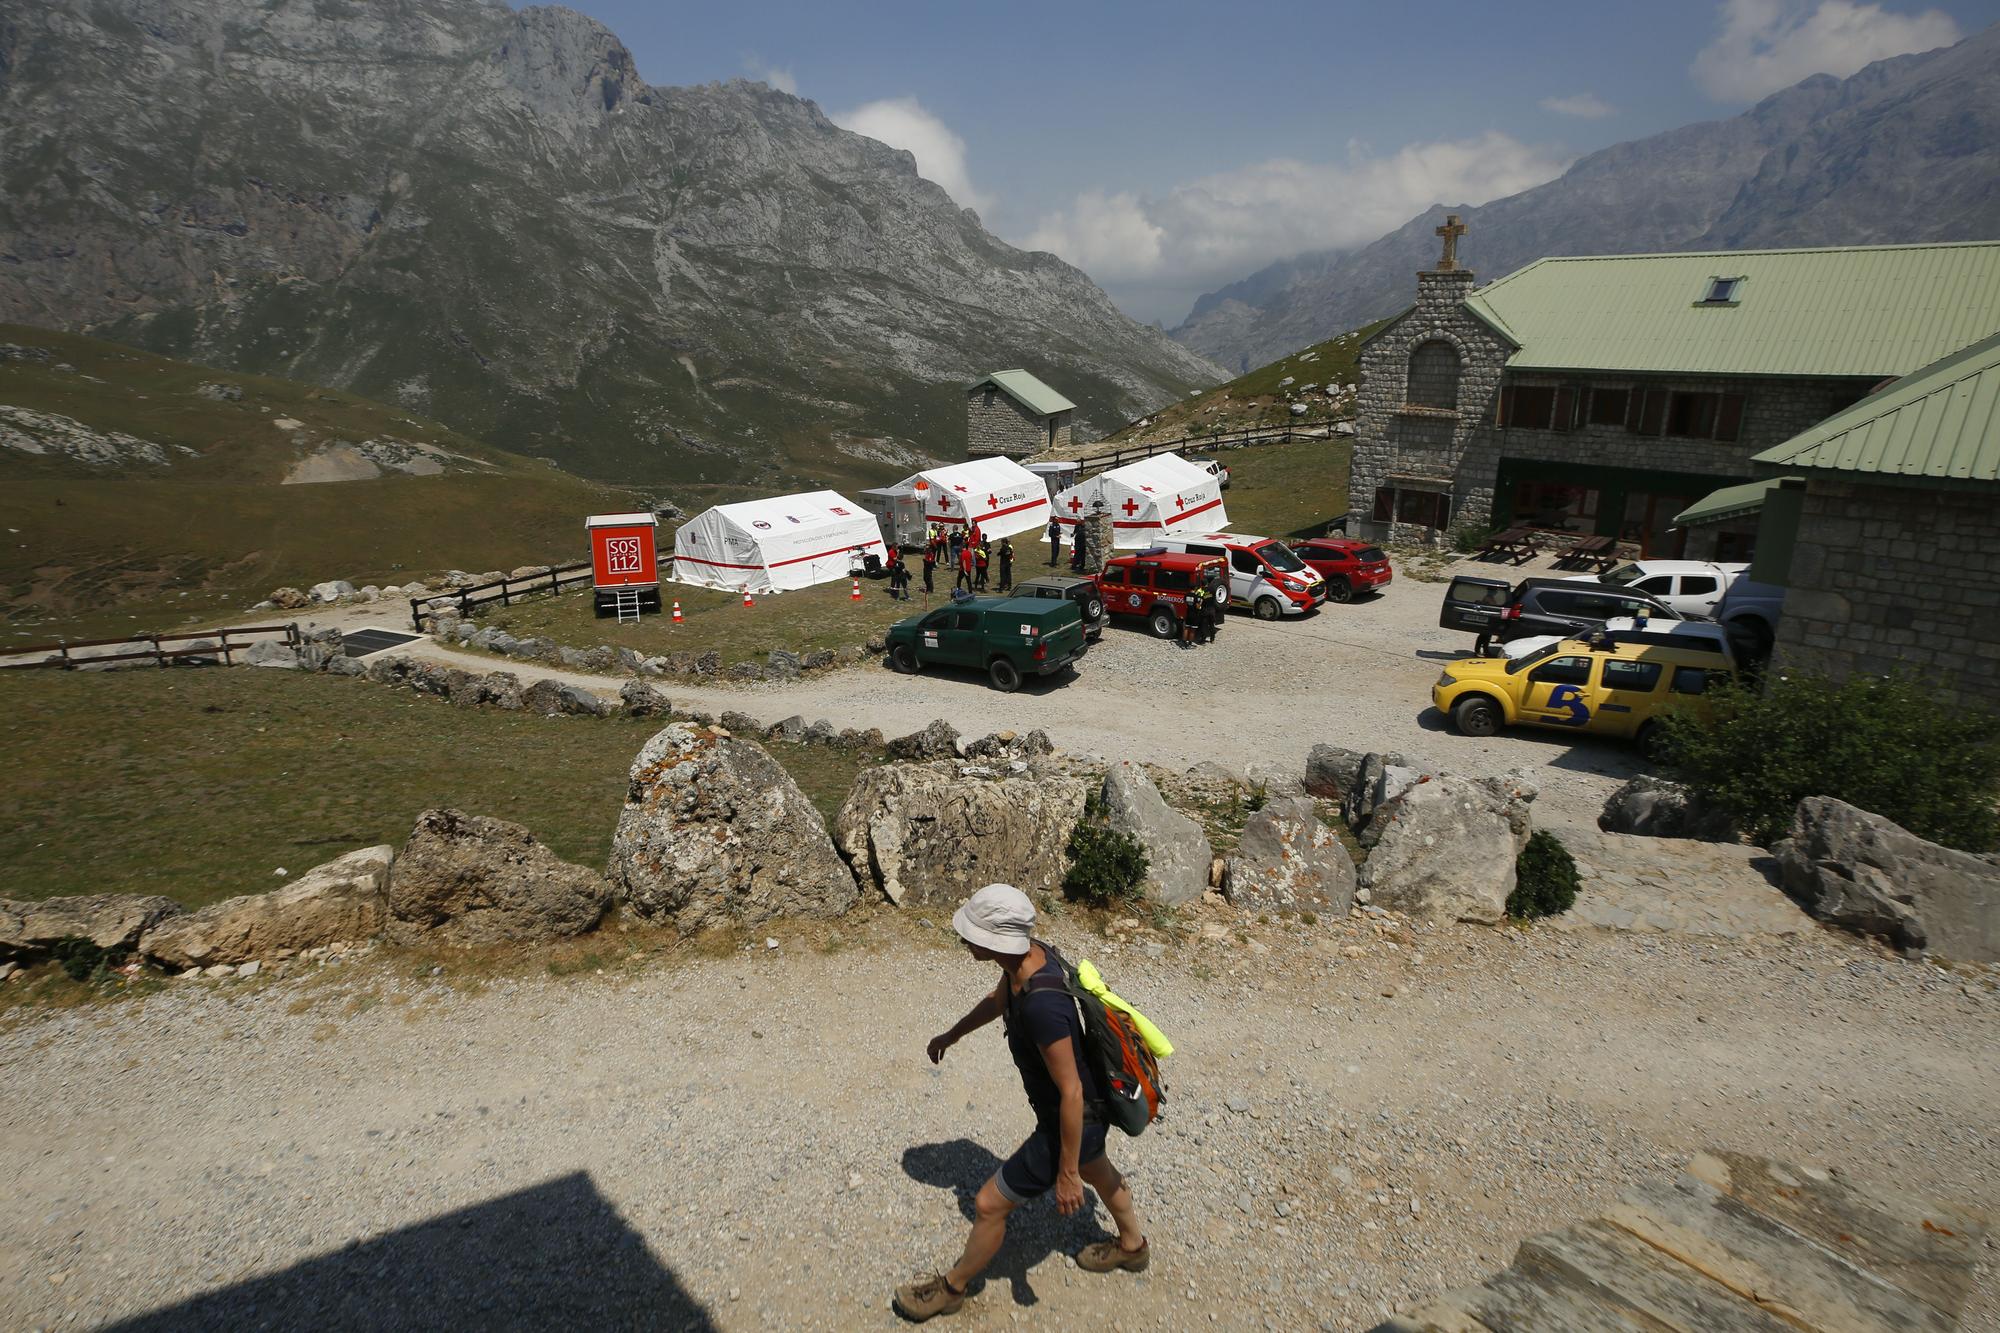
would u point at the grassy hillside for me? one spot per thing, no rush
(1262, 398)
(143, 493)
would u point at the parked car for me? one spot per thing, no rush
(1608, 685)
(1080, 590)
(1264, 575)
(1006, 637)
(1348, 566)
(1691, 587)
(1220, 471)
(1748, 613)
(1154, 586)
(1706, 633)
(1497, 610)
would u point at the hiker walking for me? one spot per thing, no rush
(899, 577)
(1006, 564)
(1045, 1038)
(964, 558)
(930, 566)
(1055, 542)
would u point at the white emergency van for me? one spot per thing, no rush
(1265, 575)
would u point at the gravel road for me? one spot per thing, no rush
(1359, 1114)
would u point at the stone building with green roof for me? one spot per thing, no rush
(1608, 394)
(1011, 412)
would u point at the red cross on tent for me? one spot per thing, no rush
(992, 502)
(944, 504)
(1147, 489)
(959, 489)
(1075, 504)
(1130, 506)
(1179, 503)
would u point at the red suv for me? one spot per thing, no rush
(1154, 586)
(1347, 565)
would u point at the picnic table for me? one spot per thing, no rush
(1594, 553)
(1515, 546)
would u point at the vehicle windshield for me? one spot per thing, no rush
(1546, 650)
(1623, 575)
(1280, 557)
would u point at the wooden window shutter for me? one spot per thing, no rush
(1729, 418)
(1653, 413)
(1504, 407)
(1565, 417)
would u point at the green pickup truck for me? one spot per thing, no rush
(1006, 637)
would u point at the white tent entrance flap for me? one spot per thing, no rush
(775, 545)
(1162, 496)
(996, 495)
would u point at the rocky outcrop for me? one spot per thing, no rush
(921, 833)
(638, 699)
(270, 653)
(1864, 873)
(1445, 847)
(1657, 808)
(1177, 851)
(469, 880)
(715, 833)
(937, 740)
(554, 698)
(495, 689)
(344, 900)
(1289, 861)
(111, 921)
(1331, 771)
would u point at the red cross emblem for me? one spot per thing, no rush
(1130, 507)
(1147, 489)
(992, 502)
(1179, 503)
(1075, 504)
(944, 504)
(959, 489)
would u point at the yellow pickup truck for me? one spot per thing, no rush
(1610, 684)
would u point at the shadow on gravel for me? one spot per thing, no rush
(1035, 1230)
(555, 1255)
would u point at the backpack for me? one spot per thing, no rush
(1136, 1091)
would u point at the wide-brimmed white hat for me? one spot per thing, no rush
(998, 917)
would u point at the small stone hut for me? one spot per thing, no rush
(1011, 412)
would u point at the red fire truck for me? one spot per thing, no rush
(1153, 585)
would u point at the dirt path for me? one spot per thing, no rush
(757, 1141)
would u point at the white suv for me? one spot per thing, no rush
(1691, 587)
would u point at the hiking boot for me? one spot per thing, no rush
(918, 1301)
(1107, 1256)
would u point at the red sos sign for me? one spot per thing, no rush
(622, 556)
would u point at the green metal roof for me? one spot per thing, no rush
(1877, 310)
(1026, 390)
(1942, 422)
(1727, 503)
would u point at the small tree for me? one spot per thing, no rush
(1545, 879)
(1893, 746)
(1105, 865)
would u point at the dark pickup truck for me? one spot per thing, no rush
(1006, 637)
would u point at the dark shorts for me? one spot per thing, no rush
(1031, 1171)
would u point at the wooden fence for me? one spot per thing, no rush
(66, 655)
(1132, 453)
(503, 591)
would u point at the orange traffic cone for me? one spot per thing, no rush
(677, 612)
(746, 598)
(855, 596)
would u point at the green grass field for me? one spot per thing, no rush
(200, 783)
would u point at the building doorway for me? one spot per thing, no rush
(1649, 517)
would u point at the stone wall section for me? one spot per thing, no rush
(996, 424)
(1896, 577)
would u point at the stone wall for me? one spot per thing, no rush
(1889, 577)
(996, 424)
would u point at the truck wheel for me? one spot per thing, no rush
(1006, 677)
(1094, 611)
(1475, 715)
(1649, 741)
(904, 659)
(1338, 589)
(1163, 623)
(1267, 608)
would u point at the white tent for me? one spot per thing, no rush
(996, 495)
(775, 545)
(1161, 496)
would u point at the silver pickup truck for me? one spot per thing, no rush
(1749, 612)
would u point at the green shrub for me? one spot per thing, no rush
(1545, 879)
(1892, 746)
(1469, 536)
(1105, 865)
(82, 959)
(1257, 797)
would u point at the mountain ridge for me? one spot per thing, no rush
(1825, 162)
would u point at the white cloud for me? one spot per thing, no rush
(1765, 45)
(1223, 227)
(1585, 106)
(777, 76)
(902, 122)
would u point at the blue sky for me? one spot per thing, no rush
(1168, 148)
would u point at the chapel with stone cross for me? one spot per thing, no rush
(1451, 231)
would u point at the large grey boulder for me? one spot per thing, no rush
(715, 833)
(1657, 808)
(333, 590)
(554, 698)
(469, 880)
(1445, 848)
(1288, 860)
(345, 899)
(1867, 874)
(495, 689)
(937, 740)
(638, 699)
(921, 833)
(1177, 851)
(1331, 771)
(1378, 779)
(269, 653)
(108, 920)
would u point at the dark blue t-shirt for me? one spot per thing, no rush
(1035, 1018)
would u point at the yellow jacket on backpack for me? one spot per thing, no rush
(1156, 1040)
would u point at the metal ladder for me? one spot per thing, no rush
(628, 605)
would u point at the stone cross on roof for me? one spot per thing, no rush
(1451, 231)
